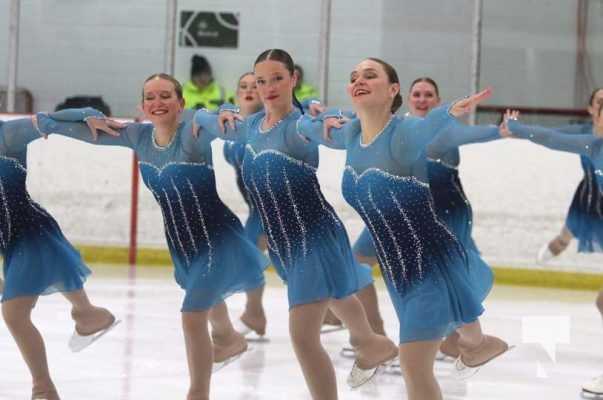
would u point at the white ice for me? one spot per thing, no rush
(143, 357)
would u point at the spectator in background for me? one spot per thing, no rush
(306, 94)
(303, 90)
(202, 91)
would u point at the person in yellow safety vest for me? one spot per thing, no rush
(306, 94)
(303, 90)
(201, 90)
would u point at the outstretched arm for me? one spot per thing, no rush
(454, 134)
(96, 120)
(16, 134)
(582, 144)
(425, 129)
(84, 124)
(464, 106)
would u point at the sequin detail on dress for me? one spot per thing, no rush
(364, 145)
(17, 208)
(400, 215)
(285, 189)
(277, 123)
(166, 147)
(177, 187)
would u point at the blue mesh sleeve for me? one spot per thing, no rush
(208, 122)
(583, 144)
(16, 134)
(77, 114)
(128, 137)
(453, 135)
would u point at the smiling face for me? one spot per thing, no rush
(422, 97)
(247, 95)
(370, 86)
(274, 84)
(162, 103)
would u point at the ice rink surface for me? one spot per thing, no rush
(143, 357)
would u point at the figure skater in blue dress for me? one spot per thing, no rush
(248, 102)
(584, 220)
(425, 267)
(308, 244)
(450, 202)
(38, 260)
(253, 318)
(589, 146)
(212, 256)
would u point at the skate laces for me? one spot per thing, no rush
(359, 376)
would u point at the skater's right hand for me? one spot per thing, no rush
(228, 116)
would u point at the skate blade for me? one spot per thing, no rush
(220, 365)
(79, 342)
(253, 337)
(249, 333)
(585, 394)
(462, 371)
(591, 396)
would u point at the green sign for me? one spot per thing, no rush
(208, 29)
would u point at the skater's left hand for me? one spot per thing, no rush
(465, 105)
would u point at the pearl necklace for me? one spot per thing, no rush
(277, 123)
(167, 146)
(389, 121)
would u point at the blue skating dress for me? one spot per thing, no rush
(450, 202)
(212, 256)
(38, 259)
(233, 154)
(308, 244)
(426, 269)
(585, 216)
(443, 158)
